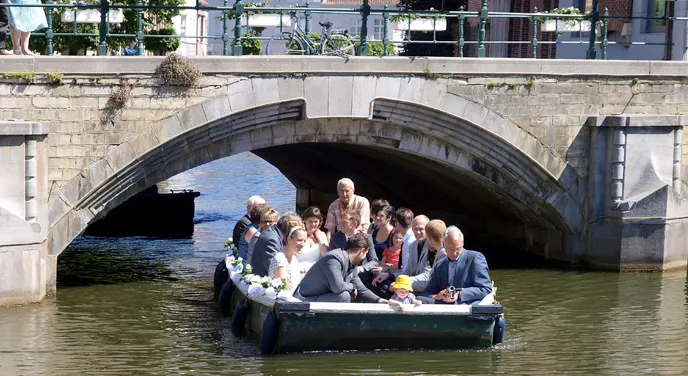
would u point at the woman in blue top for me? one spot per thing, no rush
(383, 233)
(24, 20)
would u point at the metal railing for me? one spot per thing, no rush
(238, 10)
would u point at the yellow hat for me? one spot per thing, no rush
(403, 282)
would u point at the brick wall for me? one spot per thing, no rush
(521, 29)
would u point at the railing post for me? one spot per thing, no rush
(139, 27)
(104, 10)
(462, 19)
(385, 39)
(535, 30)
(481, 31)
(605, 30)
(237, 48)
(365, 12)
(592, 51)
(307, 24)
(49, 33)
(225, 29)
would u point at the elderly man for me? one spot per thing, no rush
(347, 201)
(461, 277)
(333, 277)
(245, 221)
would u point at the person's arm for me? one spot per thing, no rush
(331, 221)
(482, 285)
(366, 295)
(365, 215)
(335, 280)
(433, 286)
(321, 239)
(249, 234)
(371, 257)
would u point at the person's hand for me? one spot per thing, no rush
(359, 269)
(394, 303)
(448, 299)
(354, 294)
(417, 302)
(376, 269)
(381, 277)
(441, 295)
(320, 237)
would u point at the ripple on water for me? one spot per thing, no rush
(144, 306)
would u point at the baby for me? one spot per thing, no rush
(403, 291)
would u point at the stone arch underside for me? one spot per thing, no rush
(511, 165)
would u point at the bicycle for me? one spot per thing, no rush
(332, 42)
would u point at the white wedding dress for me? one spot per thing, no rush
(308, 257)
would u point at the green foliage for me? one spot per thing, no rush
(634, 81)
(178, 71)
(376, 48)
(94, 80)
(429, 75)
(251, 46)
(413, 16)
(684, 80)
(54, 78)
(27, 78)
(493, 85)
(162, 45)
(154, 19)
(531, 81)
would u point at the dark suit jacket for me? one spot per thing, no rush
(338, 241)
(333, 273)
(239, 228)
(470, 274)
(267, 246)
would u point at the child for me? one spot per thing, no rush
(402, 291)
(390, 256)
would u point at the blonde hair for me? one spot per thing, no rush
(435, 229)
(352, 214)
(270, 214)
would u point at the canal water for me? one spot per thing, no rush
(138, 306)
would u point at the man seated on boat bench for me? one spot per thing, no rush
(350, 223)
(333, 278)
(459, 278)
(245, 221)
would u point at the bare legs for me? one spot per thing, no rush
(20, 41)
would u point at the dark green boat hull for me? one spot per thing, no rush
(302, 329)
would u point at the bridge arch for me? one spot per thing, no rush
(414, 117)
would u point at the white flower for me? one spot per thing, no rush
(256, 279)
(229, 260)
(276, 283)
(248, 277)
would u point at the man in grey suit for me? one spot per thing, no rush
(461, 277)
(333, 278)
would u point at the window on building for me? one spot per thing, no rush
(656, 8)
(355, 28)
(378, 29)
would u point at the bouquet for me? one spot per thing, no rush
(231, 248)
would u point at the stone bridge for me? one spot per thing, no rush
(576, 161)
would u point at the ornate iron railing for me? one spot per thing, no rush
(235, 11)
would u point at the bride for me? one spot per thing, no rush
(316, 242)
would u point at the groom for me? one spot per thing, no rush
(4, 21)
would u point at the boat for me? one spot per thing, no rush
(295, 326)
(150, 213)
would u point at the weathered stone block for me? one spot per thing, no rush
(340, 95)
(241, 95)
(217, 107)
(266, 90)
(363, 95)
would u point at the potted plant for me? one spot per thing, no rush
(92, 16)
(579, 23)
(414, 22)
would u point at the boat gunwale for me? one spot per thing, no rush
(374, 308)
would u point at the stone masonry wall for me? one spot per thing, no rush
(553, 108)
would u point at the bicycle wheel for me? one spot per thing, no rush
(288, 44)
(338, 45)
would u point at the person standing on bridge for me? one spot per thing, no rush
(245, 221)
(24, 20)
(347, 201)
(4, 21)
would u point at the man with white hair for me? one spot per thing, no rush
(245, 221)
(461, 277)
(347, 201)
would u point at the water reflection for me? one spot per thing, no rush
(159, 319)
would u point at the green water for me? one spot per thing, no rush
(137, 306)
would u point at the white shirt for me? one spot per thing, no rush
(406, 242)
